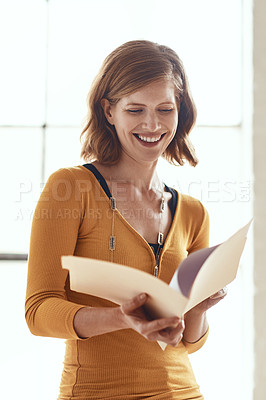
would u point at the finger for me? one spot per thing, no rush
(171, 336)
(176, 335)
(150, 327)
(220, 294)
(133, 304)
(173, 332)
(172, 340)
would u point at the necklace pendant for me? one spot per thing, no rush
(162, 205)
(113, 203)
(112, 243)
(160, 238)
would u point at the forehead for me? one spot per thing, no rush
(162, 91)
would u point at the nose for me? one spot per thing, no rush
(151, 121)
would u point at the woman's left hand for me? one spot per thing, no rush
(210, 301)
(196, 324)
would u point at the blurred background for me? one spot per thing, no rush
(50, 52)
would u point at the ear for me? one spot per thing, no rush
(106, 106)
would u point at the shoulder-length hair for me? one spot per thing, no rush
(128, 68)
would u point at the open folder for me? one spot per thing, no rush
(198, 276)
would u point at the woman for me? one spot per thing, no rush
(115, 208)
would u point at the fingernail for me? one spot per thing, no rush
(177, 321)
(142, 296)
(221, 293)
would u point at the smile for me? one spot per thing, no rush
(149, 139)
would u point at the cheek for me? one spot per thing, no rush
(174, 123)
(123, 124)
(176, 119)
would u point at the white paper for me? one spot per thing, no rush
(119, 283)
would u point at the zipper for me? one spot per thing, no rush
(157, 259)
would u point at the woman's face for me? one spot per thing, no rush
(145, 121)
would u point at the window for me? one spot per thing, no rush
(57, 48)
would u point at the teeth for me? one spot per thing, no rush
(149, 138)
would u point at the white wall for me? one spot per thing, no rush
(259, 148)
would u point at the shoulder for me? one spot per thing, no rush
(77, 177)
(69, 184)
(192, 206)
(194, 218)
(71, 173)
(192, 214)
(188, 207)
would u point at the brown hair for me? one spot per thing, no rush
(127, 69)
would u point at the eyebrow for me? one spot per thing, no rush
(144, 105)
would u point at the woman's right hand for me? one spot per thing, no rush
(94, 321)
(168, 330)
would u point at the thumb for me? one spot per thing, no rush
(134, 303)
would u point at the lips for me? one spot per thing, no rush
(149, 139)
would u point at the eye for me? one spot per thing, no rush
(134, 111)
(168, 110)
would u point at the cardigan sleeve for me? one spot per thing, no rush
(54, 233)
(195, 346)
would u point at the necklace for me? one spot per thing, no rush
(160, 237)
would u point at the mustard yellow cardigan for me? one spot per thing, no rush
(73, 217)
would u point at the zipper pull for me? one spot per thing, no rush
(157, 258)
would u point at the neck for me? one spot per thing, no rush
(142, 175)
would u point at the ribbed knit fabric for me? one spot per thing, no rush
(73, 216)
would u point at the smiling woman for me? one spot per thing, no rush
(141, 120)
(140, 108)
(123, 75)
